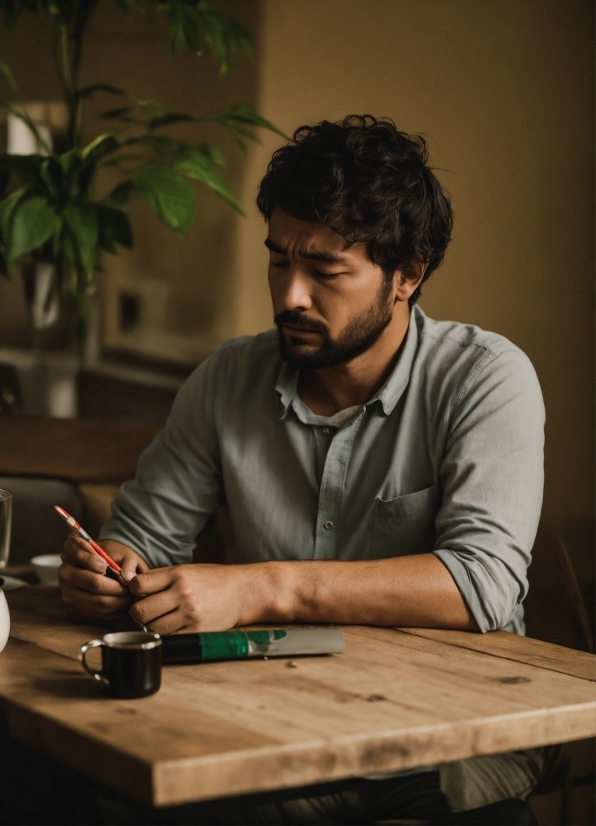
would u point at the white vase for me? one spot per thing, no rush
(44, 303)
(4, 620)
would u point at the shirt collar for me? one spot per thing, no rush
(389, 394)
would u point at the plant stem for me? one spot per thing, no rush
(68, 42)
(62, 59)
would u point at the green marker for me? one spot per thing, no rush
(238, 645)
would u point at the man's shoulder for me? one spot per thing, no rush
(456, 344)
(260, 346)
(456, 336)
(240, 364)
(249, 356)
(454, 356)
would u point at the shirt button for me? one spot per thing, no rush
(327, 431)
(328, 526)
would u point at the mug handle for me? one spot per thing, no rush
(82, 657)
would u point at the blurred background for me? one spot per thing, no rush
(502, 90)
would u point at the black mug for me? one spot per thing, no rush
(131, 663)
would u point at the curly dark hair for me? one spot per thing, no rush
(369, 182)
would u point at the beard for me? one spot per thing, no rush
(359, 335)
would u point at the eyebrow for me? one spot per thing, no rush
(312, 255)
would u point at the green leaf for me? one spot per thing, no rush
(118, 197)
(5, 72)
(28, 169)
(167, 120)
(68, 246)
(152, 107)
(100, 146)
(170, 195)
(226, 36)
(81, 220)
(196, 164)
(52, 174)
(197, 21)
(114, 228)
(87, 91)
(166, 147)
(7, 206)
(70, 161)
(192, 29)
(33, 222)
(213, 153)
(176, 28)
(243, 113)
(117, 114)
(91, 155)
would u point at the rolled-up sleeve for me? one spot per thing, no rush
(178, 484)
(492, 479)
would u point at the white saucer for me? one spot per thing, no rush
(10, 583)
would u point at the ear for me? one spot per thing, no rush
(408, 279)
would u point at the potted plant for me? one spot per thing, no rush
(51, 219)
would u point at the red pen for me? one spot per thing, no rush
(84, 535)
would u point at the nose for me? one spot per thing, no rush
(294, 293)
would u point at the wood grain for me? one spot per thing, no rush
(394, 700)
(78, 450)
(513, 647)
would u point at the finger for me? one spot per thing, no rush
(153, 582)
(148, 609)
(131, 566)
(94, 604)
(91, 616)
(72, 576)
(78, 552)
(171, 623)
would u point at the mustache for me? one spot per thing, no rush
(299, 320)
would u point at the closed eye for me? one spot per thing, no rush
(328, 276)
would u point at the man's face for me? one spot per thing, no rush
(330, 302)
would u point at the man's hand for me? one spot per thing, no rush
(86, 591)
(409, 590)
(197, 597)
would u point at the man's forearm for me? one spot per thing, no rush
(411, 590)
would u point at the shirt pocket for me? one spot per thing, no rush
(404, 525)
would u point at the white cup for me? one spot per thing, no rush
(46, 568)
(4, 618)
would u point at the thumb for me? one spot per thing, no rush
(133, 565)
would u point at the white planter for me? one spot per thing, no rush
(47, 381)
(44, 301)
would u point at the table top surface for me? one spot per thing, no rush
(396, 699)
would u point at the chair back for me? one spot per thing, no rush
(555, 608)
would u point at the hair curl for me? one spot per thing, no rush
(369, 182)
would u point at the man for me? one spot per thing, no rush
(378, 467)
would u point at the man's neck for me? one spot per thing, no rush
(331, 389)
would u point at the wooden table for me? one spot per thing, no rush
(397, 698)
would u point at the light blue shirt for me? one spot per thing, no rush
(446, 458)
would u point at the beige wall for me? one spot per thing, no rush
(502, 90)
